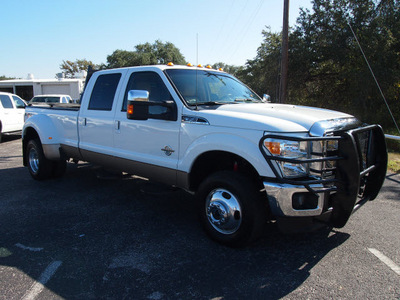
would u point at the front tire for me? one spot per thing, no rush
(232, 210)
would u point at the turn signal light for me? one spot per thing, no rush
(273, 147)
(130, 109)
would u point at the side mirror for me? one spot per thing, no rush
(266, 98)
(138, 105)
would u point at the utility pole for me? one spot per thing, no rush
(285, 55)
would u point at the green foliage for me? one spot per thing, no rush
(326, 66)
(234, 70)
(394, 162)
(70, 68)
(146, 54)
(3, 77)
(262, 72)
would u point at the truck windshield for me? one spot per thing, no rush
(201, 87)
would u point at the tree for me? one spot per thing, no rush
(262, 72)
(3, 77)
(326, 66)
(146, 54)
(70, 68)
(234, 70)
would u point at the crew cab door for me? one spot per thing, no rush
(150, 147)
(10, 118)
(96, 117)
(20, 111)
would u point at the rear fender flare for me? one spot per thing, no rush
(48, 135)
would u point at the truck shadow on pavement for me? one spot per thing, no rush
(129, 238)
(393, 177)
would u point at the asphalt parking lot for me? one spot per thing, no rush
(87, 236)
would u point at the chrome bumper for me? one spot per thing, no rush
(280, 198)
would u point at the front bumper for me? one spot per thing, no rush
(360, 169)
(281, 197)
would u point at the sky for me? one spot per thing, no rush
(36, 36)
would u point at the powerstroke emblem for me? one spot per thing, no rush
(167, 150)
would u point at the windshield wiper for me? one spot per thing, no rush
(211, 103)
(245, 100)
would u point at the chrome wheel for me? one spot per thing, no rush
(223, 211)
(33, 159)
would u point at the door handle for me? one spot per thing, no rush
(117, 125)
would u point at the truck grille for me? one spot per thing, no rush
(324, 169)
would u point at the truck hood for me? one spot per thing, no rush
(269, 117)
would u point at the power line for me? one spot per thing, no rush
(248, 25)
(223, 26)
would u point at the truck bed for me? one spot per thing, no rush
(57, 106)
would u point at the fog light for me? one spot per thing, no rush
(302, 201)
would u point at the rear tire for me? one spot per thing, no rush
(39, 166)
(232, 210)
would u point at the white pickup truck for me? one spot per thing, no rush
(12, 110)
(202, 130)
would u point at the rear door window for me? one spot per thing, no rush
(103, 93)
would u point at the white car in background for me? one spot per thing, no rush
(12, 110)
(51, 99)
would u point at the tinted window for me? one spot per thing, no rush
(151, 82)
(6, 101)
(104, 91)
(42, 99)
(199, 87)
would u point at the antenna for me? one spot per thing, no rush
(197, 63)
(373, 75)
(197, 49)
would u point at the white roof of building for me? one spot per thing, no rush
(27, 81)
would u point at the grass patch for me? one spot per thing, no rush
(394, 162)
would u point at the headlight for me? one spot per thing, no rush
(299, 157)
(289, 150)
(27, 116)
